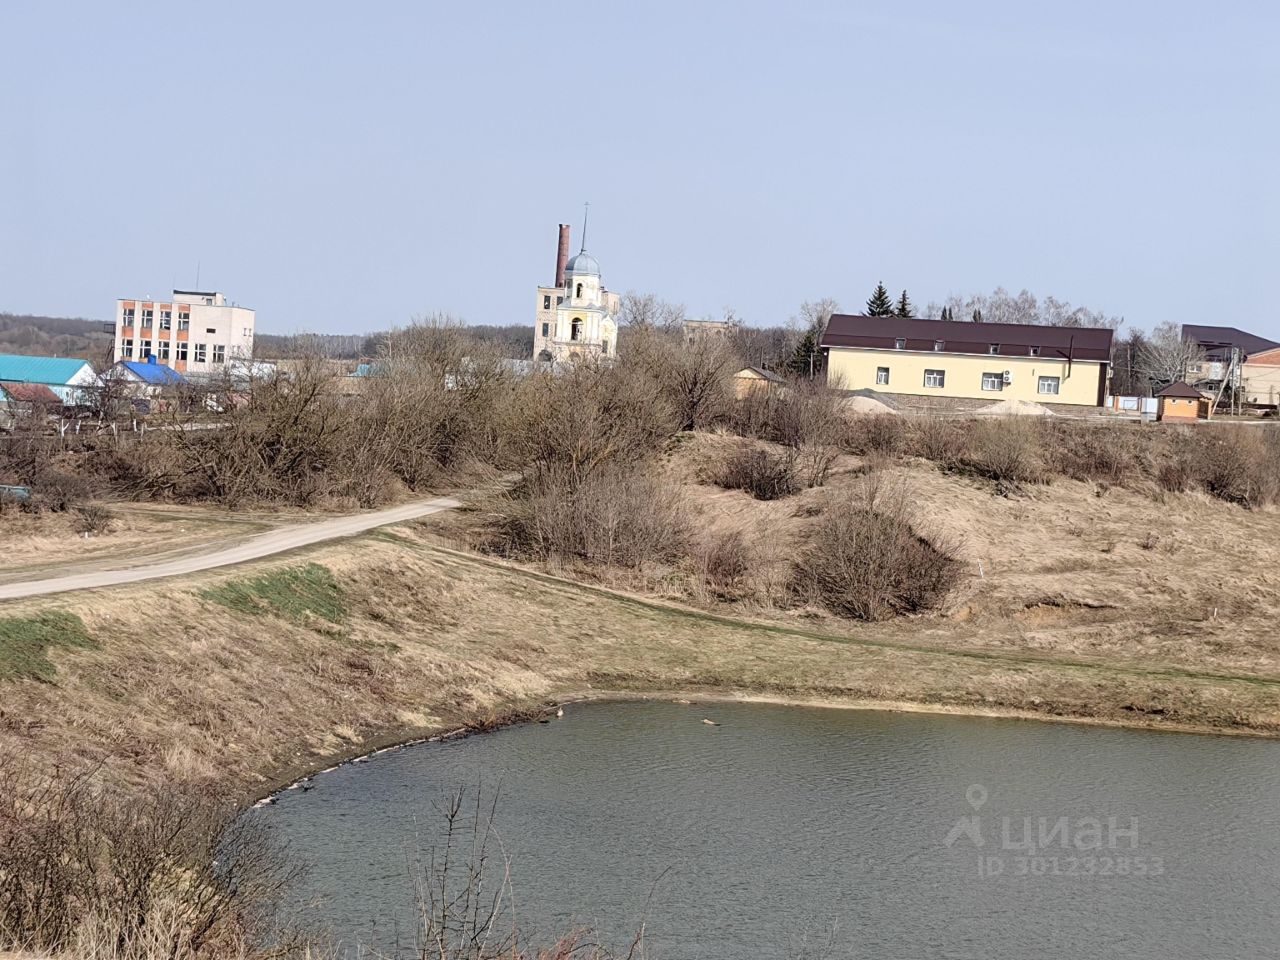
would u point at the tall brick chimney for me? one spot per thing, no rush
(562, 254)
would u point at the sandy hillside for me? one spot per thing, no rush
(1065, 567)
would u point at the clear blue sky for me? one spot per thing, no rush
(346, 166)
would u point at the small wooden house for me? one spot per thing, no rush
(1181, 402)
(750, 381)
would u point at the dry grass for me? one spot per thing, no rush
(1201, 594)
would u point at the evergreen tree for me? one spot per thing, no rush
(806, 361)
(880, 305)
(977, 316)
(904, 308)
(946, 314)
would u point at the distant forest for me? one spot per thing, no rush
(516, 340)
(33, 335)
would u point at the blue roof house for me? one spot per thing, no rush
(71, 378)
(148, 377)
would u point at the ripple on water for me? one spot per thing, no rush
(781, 822)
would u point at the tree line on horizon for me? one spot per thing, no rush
(1140, 359)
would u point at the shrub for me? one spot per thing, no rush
(1175, 475)
(725, 561)
(865, 561)
(1007, 450)
(1103, 453)
(1239, 464)
(936, 438)
(93, 518)
(57, 490)
(875, 435)
(590, 418)
(620, 516)
(86, 870)
(764, 475)
(808, 419)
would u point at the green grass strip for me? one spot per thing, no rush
(296, 594)
(25, 643)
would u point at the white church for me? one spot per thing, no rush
(577, 319)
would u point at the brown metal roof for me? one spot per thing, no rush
(1181, 389)
(963, 336)
(1218, 341)
(31, 393)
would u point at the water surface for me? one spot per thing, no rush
(855, 828)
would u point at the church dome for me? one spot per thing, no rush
(583, 264)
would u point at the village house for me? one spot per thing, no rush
(144, 379)
(961, 360)
(71, 379)
(20, 399)
(755, 381)
(1236, 358)
(1181, 401)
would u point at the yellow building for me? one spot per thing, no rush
(958, 359)
(577, 319)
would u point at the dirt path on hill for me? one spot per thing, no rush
(220, 555)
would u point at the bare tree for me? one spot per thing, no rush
(644, 310)
(1001, 306)
(814, 314)
(694, 376)
(1166, 358)
(1126, 379)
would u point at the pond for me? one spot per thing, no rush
(792, 831)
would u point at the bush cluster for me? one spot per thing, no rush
(762, 473)
(864, 559)
(152, 872)
(1236, 463)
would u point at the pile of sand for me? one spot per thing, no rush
(866, 406)
(1015, 408)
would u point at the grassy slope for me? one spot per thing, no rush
(275, 668)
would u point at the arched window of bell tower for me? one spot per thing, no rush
(579, 293)
(575, 329)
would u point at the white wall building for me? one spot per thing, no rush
(196, 332)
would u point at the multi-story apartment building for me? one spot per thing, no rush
(196, 332)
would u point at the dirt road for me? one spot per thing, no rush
(277, 541)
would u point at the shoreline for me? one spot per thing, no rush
(255, 678)
(521, 714)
